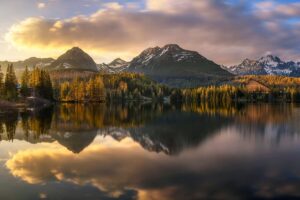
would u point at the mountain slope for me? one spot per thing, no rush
(267, 65)
(116, 66)
(74, 59)
(172, 60)
(30, 62)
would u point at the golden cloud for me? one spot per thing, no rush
(107, 169)
(115, 168)
(219, 31)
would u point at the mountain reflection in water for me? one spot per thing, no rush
(155, 151)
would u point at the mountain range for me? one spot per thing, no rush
(30, 62)
(266, 65)
(170, 64)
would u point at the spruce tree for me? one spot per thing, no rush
(1, 82)
(25, 90)
(10, 84)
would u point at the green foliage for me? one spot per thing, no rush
(25, 90)
(10, 84)
(1, 82)
(41, 84)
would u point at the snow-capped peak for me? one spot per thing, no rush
(170, 52)
(172, 47)
(270, 60)
(268, 64)
(116, 66)
(117, 63)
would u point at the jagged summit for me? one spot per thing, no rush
(172, 60)
(117, 63)
(265, 65)
(116, 66)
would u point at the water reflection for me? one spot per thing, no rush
(156, 127)
(158, 151)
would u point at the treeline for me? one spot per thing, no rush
(36, 82)
(80, 90)
(136, 87)
(212, 95)
(110, 88)
(227, 94)
(272, 81)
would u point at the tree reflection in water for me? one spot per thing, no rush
(161, 151)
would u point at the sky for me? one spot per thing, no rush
(226, 31)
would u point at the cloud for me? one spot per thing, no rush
(270, 10)
(113, 6)
(41, 5)
(223, 32)
(115, 168)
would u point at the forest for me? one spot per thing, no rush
(227, 94)
(32, 83)
(98, 87)
(110, 88)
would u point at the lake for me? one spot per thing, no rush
(151, 151)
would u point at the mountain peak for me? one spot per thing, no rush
(268, 64)
(75, 59)
(75, 49)
(269, 58)
(172, 47)
(151, 50)
(117, 61)
(171, 60)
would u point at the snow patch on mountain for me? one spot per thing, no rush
(267, 65)
(116, 66)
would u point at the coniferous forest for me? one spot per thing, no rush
(99, 87)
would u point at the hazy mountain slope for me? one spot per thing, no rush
(30, 62)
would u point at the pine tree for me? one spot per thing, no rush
(25, 90)
(34, 80)
(81, 91)
(46, 89)
(1, 82)
(41, 84)
(10, 85)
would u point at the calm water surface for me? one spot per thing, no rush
(152, 152)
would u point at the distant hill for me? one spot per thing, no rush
(266, 65)
(30, 62)
(74, 59)
(175, 66)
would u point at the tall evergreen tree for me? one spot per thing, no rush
(10, 84)
(1, 82)
(25, 90)
(41, 84)
(47, 84)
